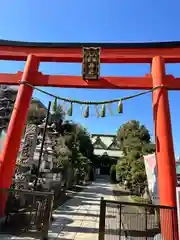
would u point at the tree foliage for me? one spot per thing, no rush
(135, 142)
(58, 115)
(74, 147)
(73, 144)
(134, 136)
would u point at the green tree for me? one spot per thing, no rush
(76, 135)
(134, 136)
(85, 144)
(135, 142)
(74, 148)
(123, 170)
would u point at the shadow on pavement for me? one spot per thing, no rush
(18, 223)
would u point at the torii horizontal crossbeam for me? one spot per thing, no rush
(77, 82)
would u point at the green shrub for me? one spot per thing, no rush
(113, 173)
(118, 173)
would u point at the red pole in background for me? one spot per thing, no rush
(15, 130)
(167, 179)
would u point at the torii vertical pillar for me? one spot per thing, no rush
(15, 130)
(167, 179)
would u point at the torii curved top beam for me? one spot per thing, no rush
(172, 44)
(72, 52)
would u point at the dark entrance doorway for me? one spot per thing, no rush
(104, 163)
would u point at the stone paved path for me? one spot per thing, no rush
(78, 218)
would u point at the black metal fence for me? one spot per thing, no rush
(27, 213)
(126, 220)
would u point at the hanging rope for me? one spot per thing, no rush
(96, 103)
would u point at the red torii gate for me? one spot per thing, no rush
(157, 54)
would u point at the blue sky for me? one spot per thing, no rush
(97, 21)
